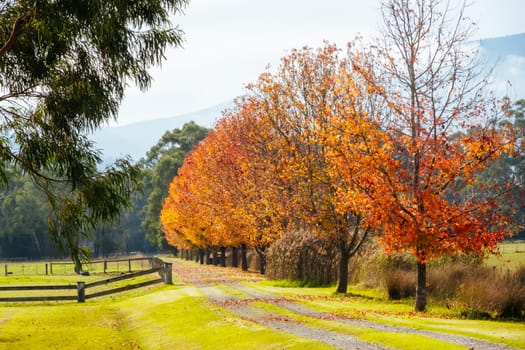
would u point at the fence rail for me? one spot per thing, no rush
(121, 289)
(67, 267)
(163, 268)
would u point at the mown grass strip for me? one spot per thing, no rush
(509, 333)
(394, 340)
(400, 314)
(185, 318)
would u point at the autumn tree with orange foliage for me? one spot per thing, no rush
(195, 213)
(440, 130)
(244, 170)
(225, 193)
(182, 228)
(299, 103)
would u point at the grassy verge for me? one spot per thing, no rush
(184, 317)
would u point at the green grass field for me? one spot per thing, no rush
(512, 255)
(42, 268)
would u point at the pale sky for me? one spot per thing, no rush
(230, 42)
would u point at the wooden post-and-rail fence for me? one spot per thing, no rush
(163, 268)
(63, 267)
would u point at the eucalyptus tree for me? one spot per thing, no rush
(64, 67)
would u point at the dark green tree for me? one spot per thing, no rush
(64, 67)
(507, 174)
(516, 196)
(23, 214)
(126, 235)
(160, 166)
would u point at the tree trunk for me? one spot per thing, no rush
(201, 256)
(209, 259)
(342, 285)
(262, 261)
(421, 290)
(78, 265)
(235, 257)
(223, 256)
(244, 260)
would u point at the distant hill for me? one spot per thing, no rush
(137, 138)
(508, 55)
(499, 48)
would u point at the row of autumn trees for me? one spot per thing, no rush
(387, 138)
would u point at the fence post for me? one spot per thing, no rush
(129, 265)
(105, 265)
(5, 266)
(51, 268)
(46, 270)
(81, 292)
(168, 278)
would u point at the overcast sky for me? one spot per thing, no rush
(230, 42)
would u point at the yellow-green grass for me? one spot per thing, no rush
(167, 317)
(290, 288)
(512, 256)
(360, 299)
(391, 339)
(184, 317)
(231, 291)
(510, 333)
(374, 308)
(72, 326)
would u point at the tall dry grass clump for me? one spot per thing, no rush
(398, 275)
(301, 256)
(459, 282)
(498, 294)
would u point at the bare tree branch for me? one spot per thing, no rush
(18, 29)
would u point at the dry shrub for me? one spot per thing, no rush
(498, 294)
(302, 256)
(399, 278)
(399, 283)
(444, 280)
(461, 282)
